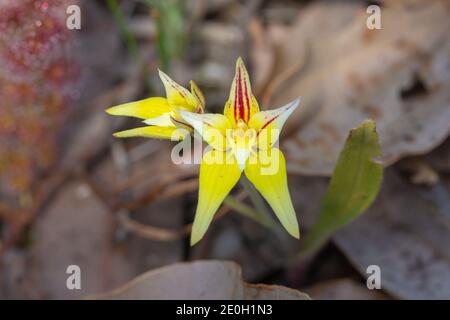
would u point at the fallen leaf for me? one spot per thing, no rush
(262, 55)
(343, 289)
(74, 230)
(407, 236)
(211, 280)
(397, 76)
(440, 157)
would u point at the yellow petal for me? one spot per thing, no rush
(195, 90)
(241, 104)
(211, 127)
(219, 173)
(268, 124)
(144, 109)
(171, 133)
(177, 96)
(267, 171)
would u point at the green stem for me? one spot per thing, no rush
(128, 37)
(251, 213)
(313, 241)
(171, 29)
(256, 198)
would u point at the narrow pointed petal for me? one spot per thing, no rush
(268, 124)
(161, 121)
(211, 126)
(241, 104)
(219, 173)
(177, 96)
(267, 172)
(195, 90)
(170, 133)
(143, 109)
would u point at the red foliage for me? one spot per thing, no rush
(36, 75)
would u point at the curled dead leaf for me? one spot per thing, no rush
(397, 75)
(211, 280)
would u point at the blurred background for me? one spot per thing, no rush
(72, 194)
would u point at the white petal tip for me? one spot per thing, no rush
(294, 103)
(163, 75)
(241, 157)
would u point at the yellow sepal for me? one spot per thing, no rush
(144, 109)
(170, 133)
(177, 96)
(241, 104)
(195, 90)
(267, 171)
(219, 172)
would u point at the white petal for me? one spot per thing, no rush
(161, 121)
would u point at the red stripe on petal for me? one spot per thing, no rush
(240, 100)
(181, 122)
(235, 107)
(178, 90)
(247, 101)
(267, 123)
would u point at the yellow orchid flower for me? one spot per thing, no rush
(162, 114)
(242, 139)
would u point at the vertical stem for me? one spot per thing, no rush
(171, 29)
(261, 209)
(255, 197)
(129, 39)
(251, 213)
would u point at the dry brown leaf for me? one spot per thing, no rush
(262, 55)
(74, 230)
(216, 280)
(407, 236)
(440, 157)
(397, 76)
(343, 289)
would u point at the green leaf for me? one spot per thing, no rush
(353, 187)
(172, 29)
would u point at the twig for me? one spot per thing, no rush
(150, 232)
(163, 234)
(179, 188)
(166, 176)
